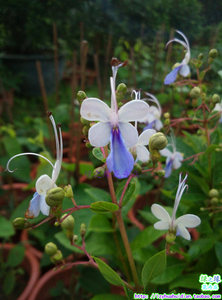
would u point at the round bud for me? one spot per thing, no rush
(75, 238)
(160, 173)
(166, 115)
(214, 200)
(213, 193)
(51, 249)
(216, 98)
(195, 92)
(68, 191)
(57, 257)
(200, 56)
(88, 145)
(167, 122)
(83, 229)
(85, 130)
(158, 141)
(170, 237)
(202, 209)
(20, 223)
(155, 156)
(55, 196)
(81, 95)
(68, 223)
(199, 132)
(99, 172)
(213, 53)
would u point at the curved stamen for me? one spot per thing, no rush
(179, 42)
(181, 188)
(154, 100)
(56, 136)
(61, 143)
(113, 95)
(185, 38)
(26, 153)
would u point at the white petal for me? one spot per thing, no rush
(134, 110)
(99, 134)
(145, 136)
(158, 125)
(142, 153)
(43, 184)
(161, 225)
(218, 107)
(177, 160)
(160, 213)
(183, 232)
(34, 206)
(166, 152)
(44, 206)
(189, 221)
(185, 70)
(93, 109)
(129, 134)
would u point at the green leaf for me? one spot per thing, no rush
(108, 273)
(145, 238)
(16, 256)
(187, 281)
(98, 194)
(9, 282)
(218, 250)
(98, 154)
(130, 191)
(100, 223)
(103, 207)
(169, 274)
(6, 228)
(153, 267)
(108, 297)
(65, 242)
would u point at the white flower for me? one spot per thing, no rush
(154, 114)
(179, 225)
(114, 127)
(173, 159)
(218, 107)
(141, 151)
(44, 182)
(183, 69)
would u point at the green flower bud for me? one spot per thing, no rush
(160, 173)
(216, 98)
(137, 169)
(68, 191)
(158, 141)
(83, 229)
(55, 196)
(57, 257)
(155, 156)
(167, 122)
(68, 223)
(199, 132)
(99, 172)
(75, 238)
(84, 121)
(121, 91)
(200, 56)
(20, 223)
(170, 237)
(166, 115)
(51, 249)
(195, 92)
(213, 53)
(202, 209)
(214, 200)
(85, 130)
(88, 145)
(213, 193)
(81, 95)
(194, 102)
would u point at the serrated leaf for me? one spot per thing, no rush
(6, 228)
(100, 223)
(145, 238)
(153, 267)
(98, 154)
(108, 273)
(218, 250)
(16, 256)
(103, 207)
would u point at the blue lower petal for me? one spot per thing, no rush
(34, 206)
(171, 77)
(168, 169)
(151, 125)
(120, 161)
